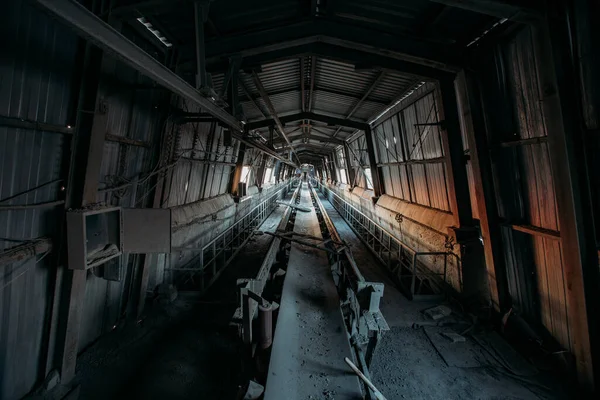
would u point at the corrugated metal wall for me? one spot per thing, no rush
(359, 157)
(192, 178)
(39, 83)
(409, 152)
(525, 187)
(132, 114)
(36, 69)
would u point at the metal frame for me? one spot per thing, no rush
(245, 313)
(359, 299)
(216, 255)
(397, 257)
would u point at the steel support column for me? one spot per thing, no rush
(351, 171)
(336, 168)
(232, 90)
(475, 131)
(84, 173)
(375, 172)
(456, 171)
(200, 17)
(566, 144)
(260, 173)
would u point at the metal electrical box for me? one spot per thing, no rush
(99, 234)
(146, 230)
(94, 236)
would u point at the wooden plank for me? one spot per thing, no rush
(567, 157)
(537, 231)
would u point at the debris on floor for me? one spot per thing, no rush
(438, 312)
(453, 337)
(255, 390)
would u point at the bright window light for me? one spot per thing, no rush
(268, 175)
(245, 173)
(155, 32)
(343, 175)
(368, 178)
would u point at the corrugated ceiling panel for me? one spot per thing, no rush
(342, 77)
(281, 75)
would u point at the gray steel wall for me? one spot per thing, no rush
(36, 69)
(38, 82)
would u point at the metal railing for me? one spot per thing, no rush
(214, 256)
(407, 266)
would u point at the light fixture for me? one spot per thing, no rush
(155, 32)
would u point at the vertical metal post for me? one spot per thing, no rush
(566, 144)
(351, 171)
(375, 173)
(456, 171)
(475, 131)
(86, 160)
(260, 173)
(271, 135)
(201, 15)
(232, 91)
(336, 167)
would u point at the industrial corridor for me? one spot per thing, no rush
(299, 199)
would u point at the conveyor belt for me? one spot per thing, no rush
(310, 341)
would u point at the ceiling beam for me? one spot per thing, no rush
(313, 75)
(250, 97)
(333, 51)
(311, 116)
(522, 11)
(328, 90)
(373, 85)
(271, 108)
(315, 138)
(414, 49)
(302, 97)
(91, 27)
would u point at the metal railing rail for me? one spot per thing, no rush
(404, 263)
(215, 255)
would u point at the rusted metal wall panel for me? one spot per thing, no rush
(35, 84)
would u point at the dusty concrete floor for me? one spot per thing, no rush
(184, 350)
(414, 361)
